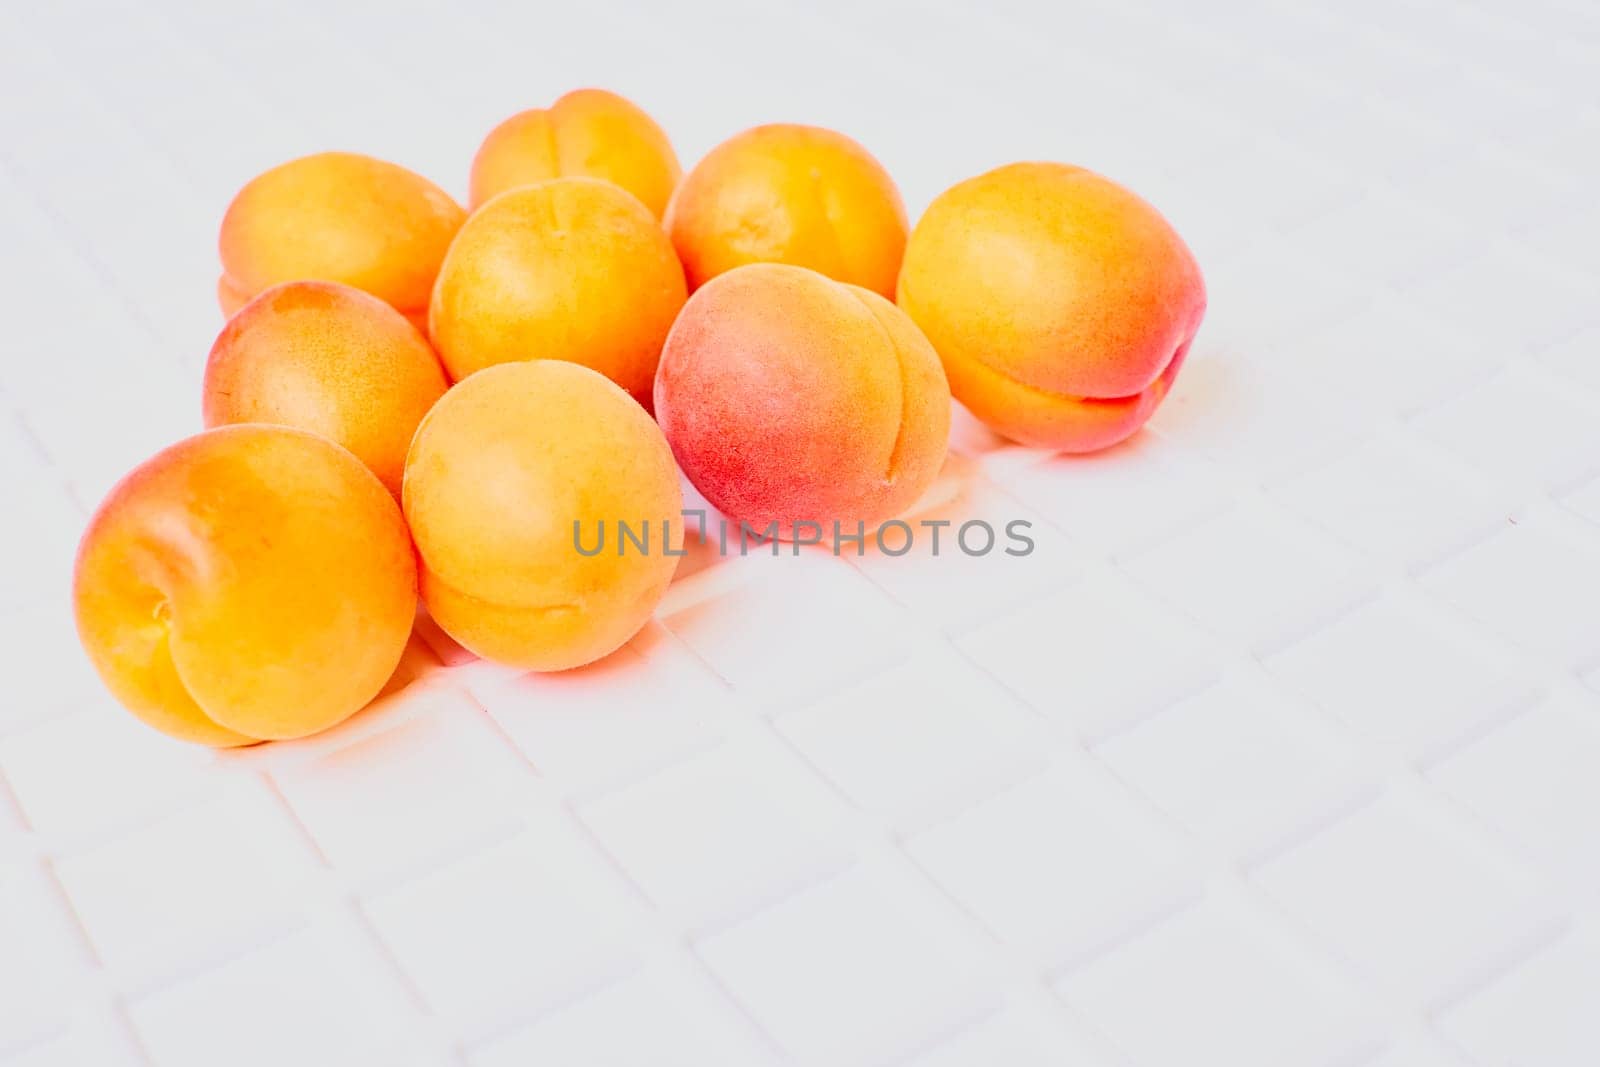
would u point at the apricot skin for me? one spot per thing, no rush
(337, 217)
(572, 269)
(1061, 304)
(588, 133)
(787, 396)
(499, 472)
(248, 583)
(792, 194)
(330, 359)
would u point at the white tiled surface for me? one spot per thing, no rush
(1281, 749)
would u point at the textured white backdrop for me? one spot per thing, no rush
(1283, 748)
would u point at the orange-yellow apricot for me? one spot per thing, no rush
(330, 359)
(588, 133)
(572, 269)
(788, 397)
(1061, 304)
(792, 194)
(338, 217)
(518, 468)
(248, 583)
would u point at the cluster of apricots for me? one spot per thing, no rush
(411, 399)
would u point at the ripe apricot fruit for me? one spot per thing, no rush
(1061, 304)
(789, 397)
(792, 194)
(508, 475)
(338, 217)
(572, 269)
(588, 133)
(248, 583)
(330, 359)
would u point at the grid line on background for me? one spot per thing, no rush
(1278, 749)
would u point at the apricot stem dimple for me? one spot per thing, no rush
(167, 701)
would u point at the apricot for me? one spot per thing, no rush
(790, 397)
(509, 475)
(338, 217)
(1061, 304)
(572, 269)
(330, 359)
(248, 583)
(588, 133)
(792, 194)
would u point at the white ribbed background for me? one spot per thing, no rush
(1282, 749)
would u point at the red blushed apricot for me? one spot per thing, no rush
(790, 397)
(500, 473)
(572, 269)
(800, 195)
(1061, 304)
(330, 359)
(249, 583)
(588, 133)
(338, 217)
